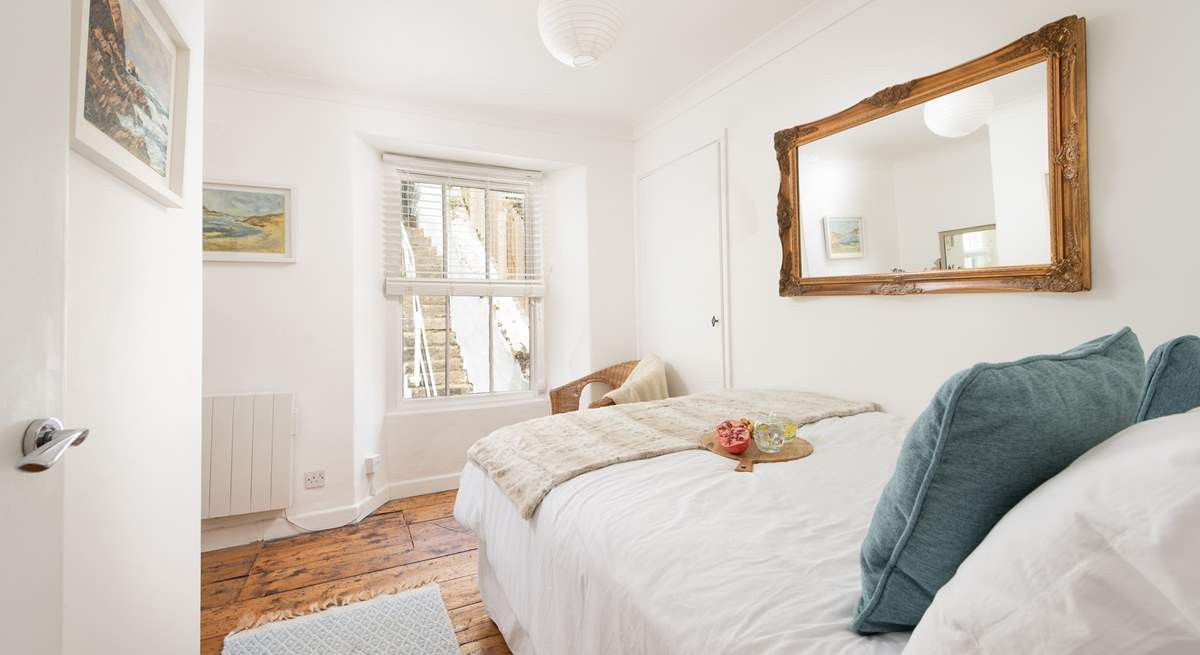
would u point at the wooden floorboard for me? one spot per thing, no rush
(472, 623)
(407, 543)
(228, 563)
(416, 501)
(389, 531)
(493, 645)
(430, 512)
(220, 593)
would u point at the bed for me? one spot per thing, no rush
(681, 554)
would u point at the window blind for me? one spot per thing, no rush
(460, 229)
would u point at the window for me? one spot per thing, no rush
(462, 252)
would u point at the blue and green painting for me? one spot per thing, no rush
(245, 220)
(845, 236)
(130, 77)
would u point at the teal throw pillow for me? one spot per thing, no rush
(1172, 379)
(991, 435)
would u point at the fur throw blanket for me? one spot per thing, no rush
(529, 459)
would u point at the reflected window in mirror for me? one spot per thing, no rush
(971, 247)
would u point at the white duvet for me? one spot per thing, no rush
(681, 554)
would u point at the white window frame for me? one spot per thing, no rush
(399, 288)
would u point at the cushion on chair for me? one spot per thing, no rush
(992, 434)
(1173, 379)
(647, 381)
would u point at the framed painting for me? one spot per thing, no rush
(844, 237)
(248, 223)
(130, 93)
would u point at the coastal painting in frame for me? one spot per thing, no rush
(844, 238)
(129, 101)
(247, 223)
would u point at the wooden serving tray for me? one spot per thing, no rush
(746, 459)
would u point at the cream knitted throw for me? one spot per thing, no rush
(529, 459)
(647, 381)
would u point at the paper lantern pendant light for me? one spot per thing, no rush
(578, 32)
(960, 113)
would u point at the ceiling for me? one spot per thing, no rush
(485, 53)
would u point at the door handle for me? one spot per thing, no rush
(46, 442)
(715, 320)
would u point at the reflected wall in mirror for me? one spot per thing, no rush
(974, 179)
(979, 157)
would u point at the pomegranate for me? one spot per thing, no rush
(734, 436)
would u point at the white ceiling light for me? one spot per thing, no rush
(578, 32)
(959, 113)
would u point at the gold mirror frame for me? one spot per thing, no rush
(1060, 45)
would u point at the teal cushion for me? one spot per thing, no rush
(992, 434)
(1173, 379)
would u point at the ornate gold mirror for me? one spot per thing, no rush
(972, 179)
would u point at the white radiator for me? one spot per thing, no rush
(246, 459)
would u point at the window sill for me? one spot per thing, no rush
(456, 403)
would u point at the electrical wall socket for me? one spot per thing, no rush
(374, 464)
(314, 479)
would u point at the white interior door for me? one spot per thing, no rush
(680, 297)
(33, 209)
(99, 326)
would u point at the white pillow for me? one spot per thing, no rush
(1102, 558)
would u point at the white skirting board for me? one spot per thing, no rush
(232, 531)
(419, 486)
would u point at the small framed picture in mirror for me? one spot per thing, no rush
(844, 237)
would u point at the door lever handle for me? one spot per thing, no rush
(46, 442)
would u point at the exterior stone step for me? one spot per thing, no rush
(442, 343)
(456, 377)
(455, 390)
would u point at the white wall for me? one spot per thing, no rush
(288, 327)
(1019, 144)
(426, 447)
(897, 350)
(567, 352)
(947, 188)
(848, 187)
(132, 498)
(370, 314)
(319, 327)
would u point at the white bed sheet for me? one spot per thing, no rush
(682, 554)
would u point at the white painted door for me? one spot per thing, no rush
(679, 231)
(33, 209)
(99, 326)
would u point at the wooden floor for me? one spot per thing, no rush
(405, 544)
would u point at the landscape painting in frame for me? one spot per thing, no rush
(247, 223)
(844, 238)
(130, 94)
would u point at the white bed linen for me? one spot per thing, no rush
(682, 554)
(1099, 560)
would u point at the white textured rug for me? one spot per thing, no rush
(409, 623)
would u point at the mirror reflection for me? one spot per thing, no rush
(971, 247)
(959, 182)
